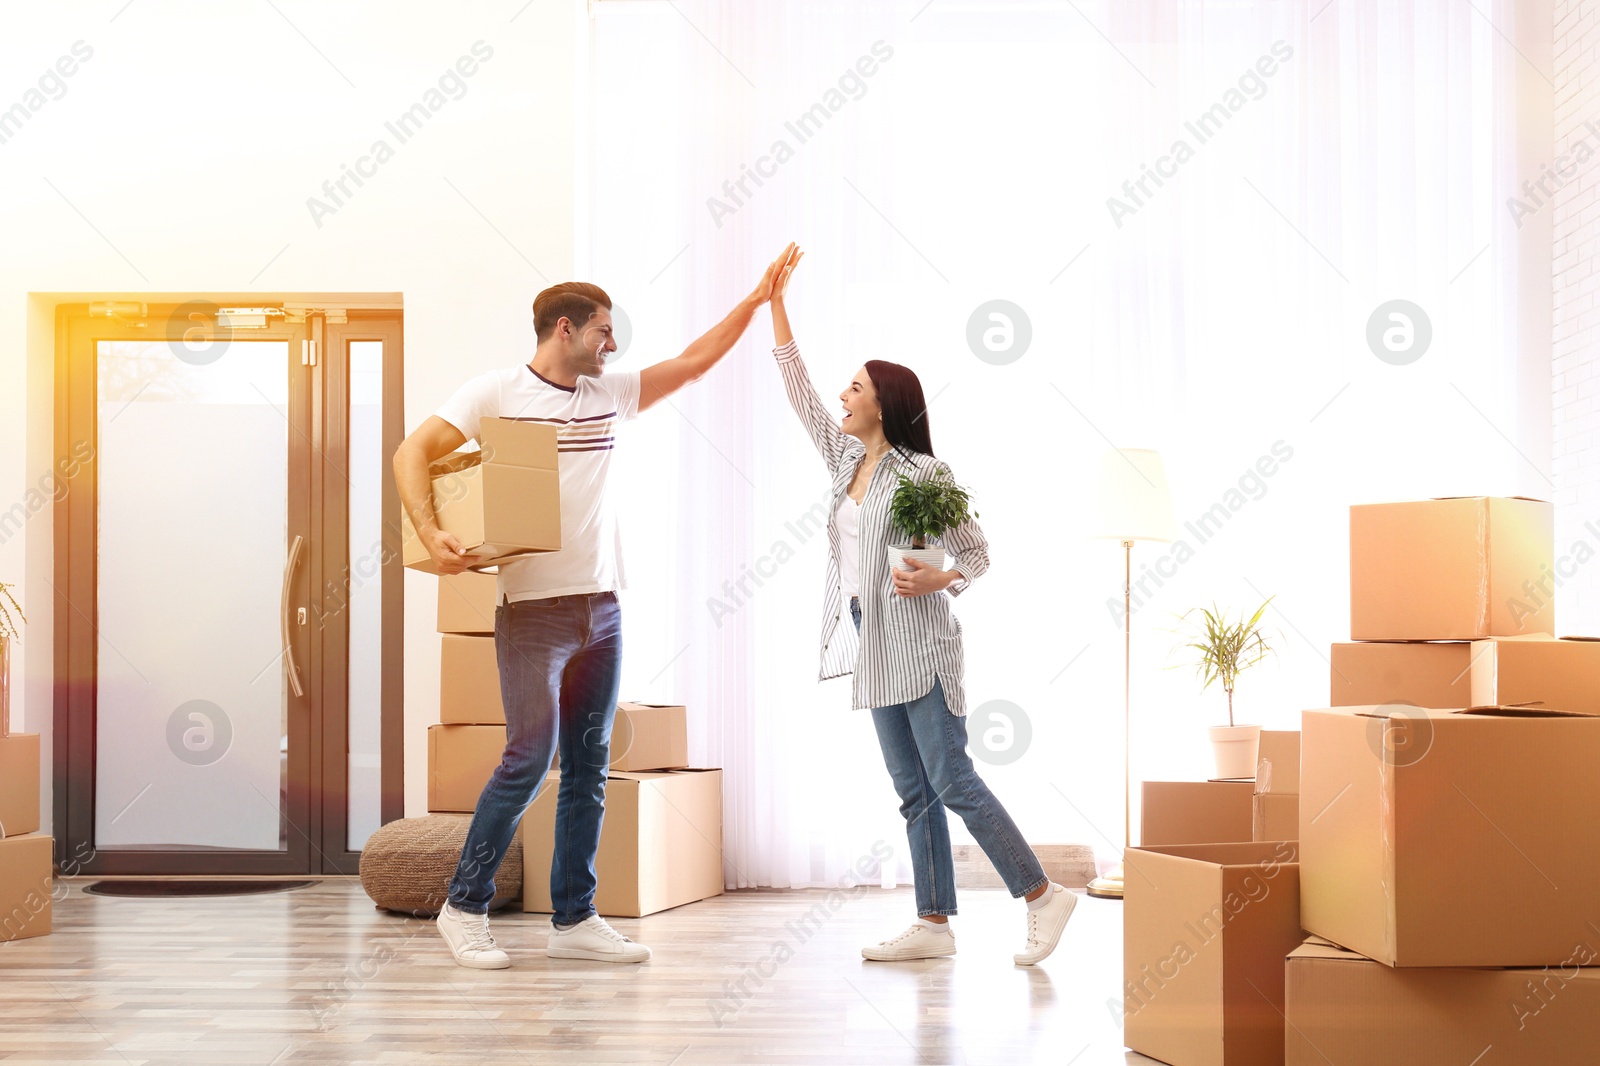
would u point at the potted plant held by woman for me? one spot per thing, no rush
(924, 510)
(1225, 650)
(8, 632)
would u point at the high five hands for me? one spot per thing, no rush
(776, 277)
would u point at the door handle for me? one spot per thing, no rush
(283, 616)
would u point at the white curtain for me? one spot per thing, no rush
(959, 153)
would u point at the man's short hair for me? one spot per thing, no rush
(576, 301)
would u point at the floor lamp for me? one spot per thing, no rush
(1134, 504)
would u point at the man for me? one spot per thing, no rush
(557, 623)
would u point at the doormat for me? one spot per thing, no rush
(178, 888)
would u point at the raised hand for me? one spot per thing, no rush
(765, 287)
(781, 285)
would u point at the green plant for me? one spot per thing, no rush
(1226, 649)
(8, 628)
(927, 508)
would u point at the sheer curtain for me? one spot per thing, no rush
(1193, 209)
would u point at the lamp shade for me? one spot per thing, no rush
(1132, 496)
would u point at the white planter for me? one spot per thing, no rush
(5, 685)
(899, 553)
(1235, 748)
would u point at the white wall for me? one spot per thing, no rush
(178, 158)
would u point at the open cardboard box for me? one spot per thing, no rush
(1453, 568)
(1450, 837)
(501, 501)
(1205, 931)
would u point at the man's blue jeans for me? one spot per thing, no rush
(560, 667)
(925, 748)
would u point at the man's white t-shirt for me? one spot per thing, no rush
(586, 418)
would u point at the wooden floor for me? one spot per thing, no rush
(318, 975)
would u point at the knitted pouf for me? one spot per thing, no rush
(407, 865)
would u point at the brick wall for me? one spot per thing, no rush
(1575, 436)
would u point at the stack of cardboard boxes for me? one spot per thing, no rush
(25, 853)
(1446, 863)
(661, 842)
(1450, 830)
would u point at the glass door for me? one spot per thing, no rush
(225, 650)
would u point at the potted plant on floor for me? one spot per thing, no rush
(8, 632)
(1224, 650)
(924, 510)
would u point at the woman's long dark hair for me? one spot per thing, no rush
(905, 413)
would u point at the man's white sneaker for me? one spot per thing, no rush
(921, 941)
(596, 941)
(470, 940)
(1045, 925)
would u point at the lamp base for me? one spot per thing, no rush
(1109, 886)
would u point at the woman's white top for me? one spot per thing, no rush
(848, 520)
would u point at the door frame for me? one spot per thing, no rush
(318, 772)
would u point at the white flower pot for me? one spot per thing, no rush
(899, 553)
(1235, 748)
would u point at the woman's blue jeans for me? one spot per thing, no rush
(925, 749)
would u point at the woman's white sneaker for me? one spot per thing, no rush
(924, 940)
(596, 941)
(470, 940)
(1045, 925)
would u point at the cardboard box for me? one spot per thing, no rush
(1450, 569)
(1432, 674)
(469, 681)
(460, 760)
(25, 886)
(1194, 812)
(1205, 932)
(1275, 816)
(650, 736)
(1450, 837)
(1278, 763)
(501, 501)
(19, 784)
(1560, 674)
(1344, 1008)
(660, 843)
(467, 602)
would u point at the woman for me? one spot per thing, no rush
(907, 656)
